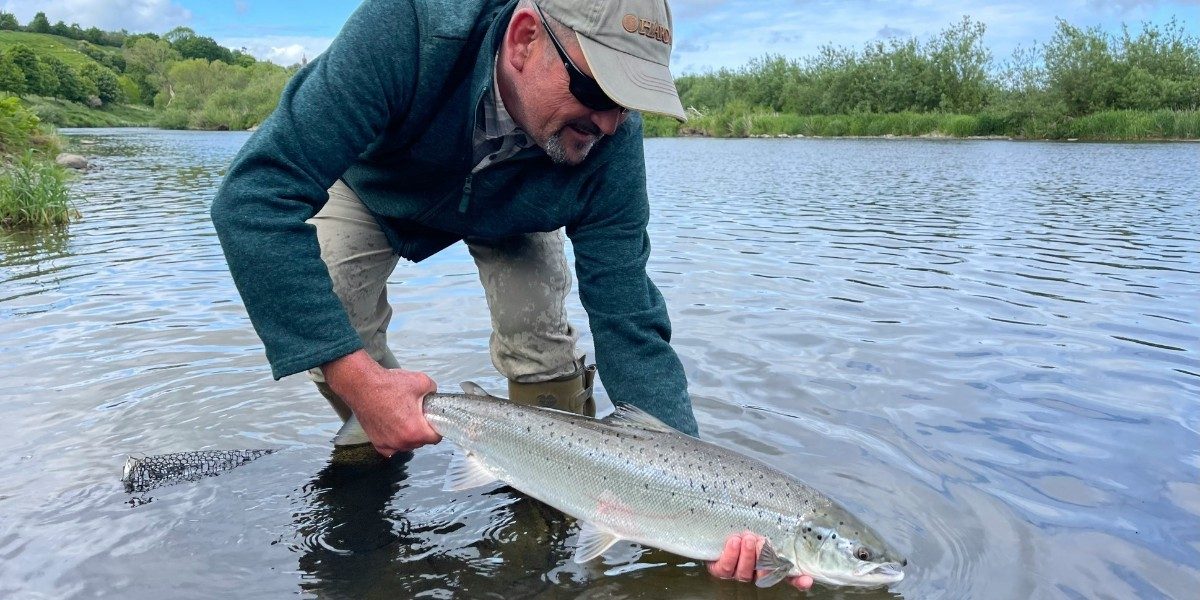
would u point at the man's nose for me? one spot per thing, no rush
(608, 120)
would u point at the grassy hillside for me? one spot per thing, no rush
(45, 44)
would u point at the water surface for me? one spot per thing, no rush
(988, 350)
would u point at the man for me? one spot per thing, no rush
(432, 121)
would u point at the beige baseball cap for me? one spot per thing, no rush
(627, 43)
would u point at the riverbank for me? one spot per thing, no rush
(1117, 125)
(64, 113)
(33, 190)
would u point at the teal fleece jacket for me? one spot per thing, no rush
(390, 108)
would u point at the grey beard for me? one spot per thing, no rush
(558, 152)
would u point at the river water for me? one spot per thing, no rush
(988, 350)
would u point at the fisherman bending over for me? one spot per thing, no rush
(503, 124)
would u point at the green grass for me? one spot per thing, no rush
(1135, 125)
(33, 193)
(740, 121)
(52, 45)
(33, 190)
(64, 113)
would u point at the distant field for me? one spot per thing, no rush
(45, 44)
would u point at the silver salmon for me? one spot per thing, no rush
(632, 477)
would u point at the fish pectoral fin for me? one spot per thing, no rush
(593, 542)
(628, 414)
(351, 434)
(474, 389)
(771, 567)
(466, 472)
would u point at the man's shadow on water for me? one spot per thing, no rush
(367, 532)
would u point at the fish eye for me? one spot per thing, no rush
(862, 553)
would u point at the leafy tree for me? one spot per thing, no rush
(94, 35)
(191, 45)
(108, 89)
(1162, 68)
(12, 78)
(8, 21)
(130, 90)
(40, 24)
(147, 60)
(179, 33)
(242, 58)
(116, 62)
(71, 86)
(1081, 69)
(38, 78)
(60, 29)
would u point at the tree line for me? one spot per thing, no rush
(1078, 72)
(191, 79)
(41, 24)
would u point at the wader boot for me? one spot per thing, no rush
(571, 393)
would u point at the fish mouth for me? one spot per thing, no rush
(881, 574)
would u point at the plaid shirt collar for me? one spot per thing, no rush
(496, 120)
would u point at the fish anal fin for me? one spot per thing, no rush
(628, 414)
(466, 472)
(771, 567)
(593, 542)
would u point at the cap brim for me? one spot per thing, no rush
(632, 82)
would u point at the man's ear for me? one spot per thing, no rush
(523, 29)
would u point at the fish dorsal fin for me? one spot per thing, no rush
(628, 414)
(593, 542)
(474, 389)
(771, 567)
(351, 434)
(466, 472)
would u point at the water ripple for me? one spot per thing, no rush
(988, 350)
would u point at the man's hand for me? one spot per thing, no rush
(387, 402)
(739, 556)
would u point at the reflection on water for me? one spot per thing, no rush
(987, 350)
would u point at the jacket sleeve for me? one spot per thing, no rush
(329, 113)
(627, 314)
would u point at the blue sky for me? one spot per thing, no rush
(709, 34)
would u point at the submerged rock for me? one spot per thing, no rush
(72, 161)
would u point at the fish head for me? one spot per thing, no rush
(841, 550)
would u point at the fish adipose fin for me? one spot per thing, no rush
(628, 414)
(593, 543)
(474, 389)
(772, 568)
(466, 472)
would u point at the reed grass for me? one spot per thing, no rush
(740, 121)
(33, 193)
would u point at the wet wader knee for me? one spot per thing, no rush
(570, 393)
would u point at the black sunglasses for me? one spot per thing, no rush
(584, 88)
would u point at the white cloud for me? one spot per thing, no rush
(110, 15)
(280, 49)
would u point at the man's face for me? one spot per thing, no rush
(549, 113)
